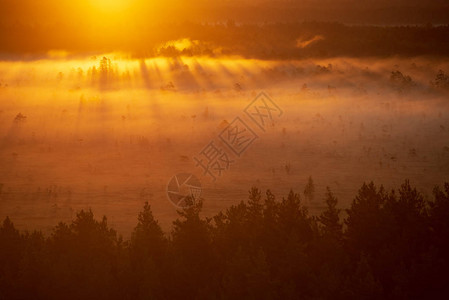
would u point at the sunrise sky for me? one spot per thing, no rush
(28, 26)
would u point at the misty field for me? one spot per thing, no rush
(108, 132)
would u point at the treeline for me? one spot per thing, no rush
(389, 245)
(314, 40)
(280, 40)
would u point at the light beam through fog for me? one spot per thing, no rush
(103, 131)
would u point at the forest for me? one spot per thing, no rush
(389, 244)
(279, 40)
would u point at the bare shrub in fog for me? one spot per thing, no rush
(441, 80)
(168, 87)
(400, 82)
(20, 118)
(288, 168)
(309, 190)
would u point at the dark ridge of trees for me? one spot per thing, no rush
(279, 40)
(391, 245)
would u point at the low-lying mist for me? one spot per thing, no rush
(109, 131)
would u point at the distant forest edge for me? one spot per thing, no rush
(264, 41)
(390, 245)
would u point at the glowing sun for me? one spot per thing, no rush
(110, 5)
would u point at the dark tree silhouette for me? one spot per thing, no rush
(393, 246)
(148, 247)
(330, 218)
